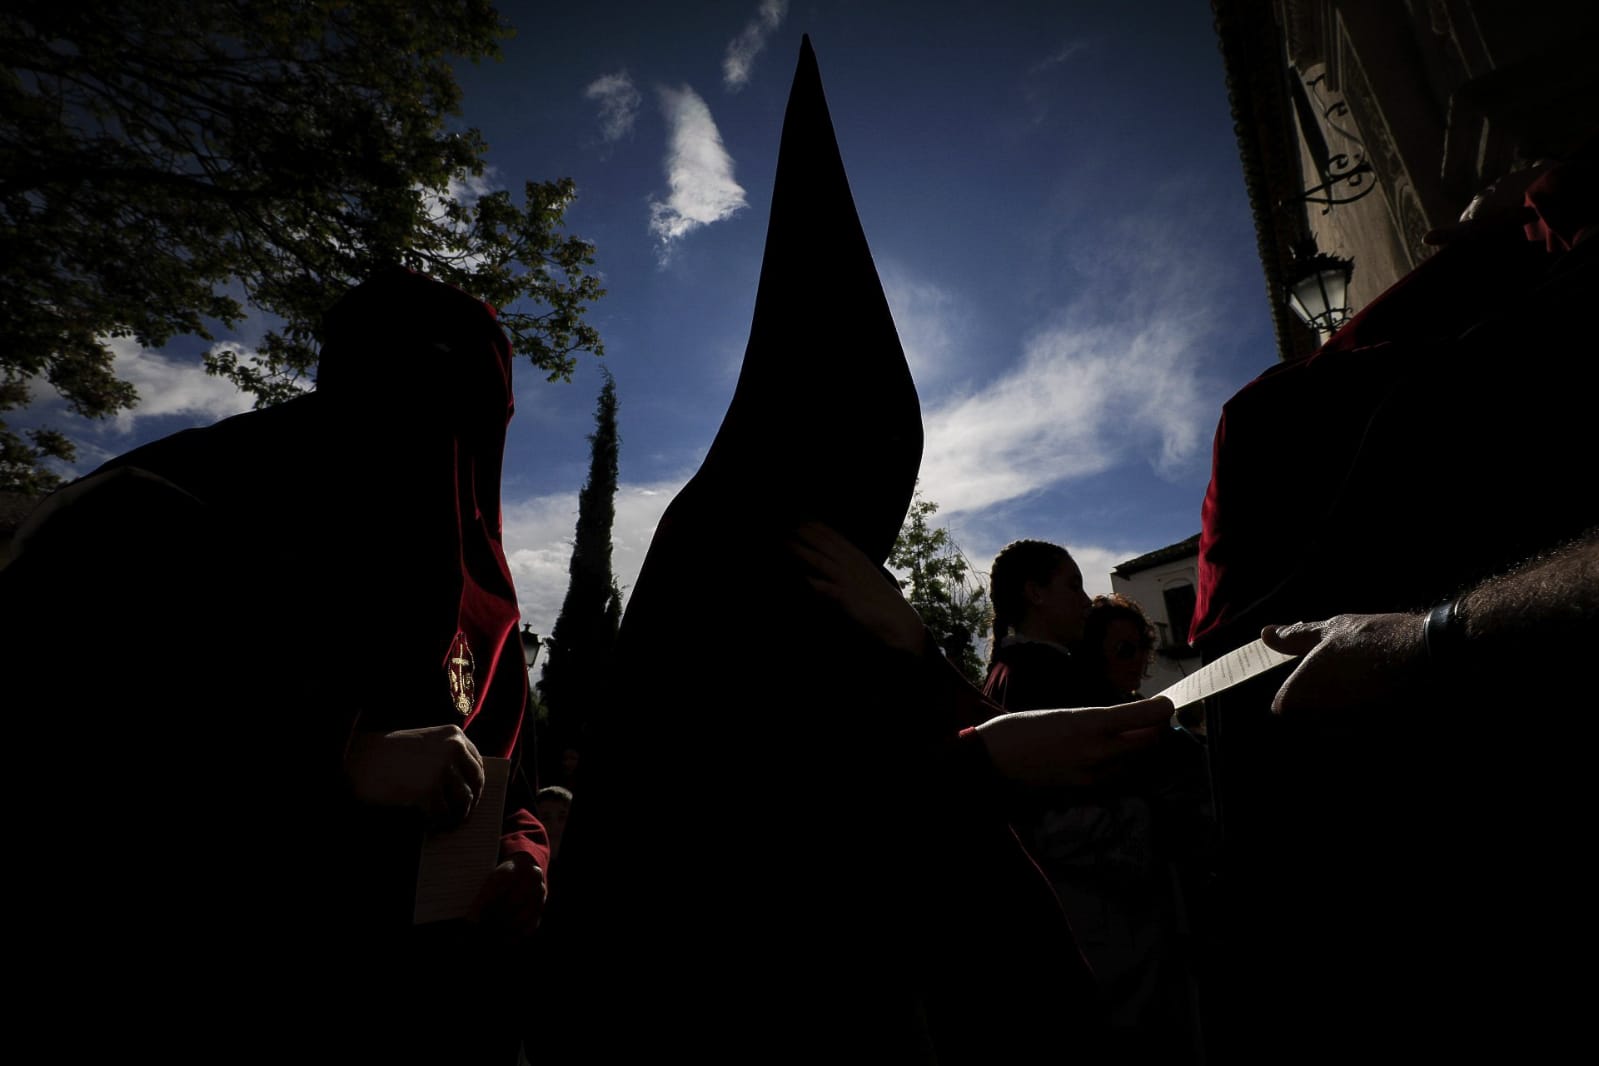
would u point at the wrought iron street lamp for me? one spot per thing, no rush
(1319, 290)
(530, 645)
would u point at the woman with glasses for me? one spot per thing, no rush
(1121, 639)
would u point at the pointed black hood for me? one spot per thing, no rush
(825, 422)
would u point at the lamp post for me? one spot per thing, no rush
(1318, 290)
(530, 646)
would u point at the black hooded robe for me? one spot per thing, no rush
(787, 851)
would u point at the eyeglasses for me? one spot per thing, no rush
(1127, 649)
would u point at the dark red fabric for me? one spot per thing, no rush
(1287, 442)
(1026, 675)
(404, 345)
(1443, 436)
(1566, 201)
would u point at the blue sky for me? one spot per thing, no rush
(1053, 198)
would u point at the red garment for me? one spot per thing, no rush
(1289, 447)
(462, 385)
(1443, 436)
(1565, 201)
(1026, 675)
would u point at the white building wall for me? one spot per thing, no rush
(1173, 658)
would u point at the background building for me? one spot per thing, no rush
(1163, 582)
(1363, 124)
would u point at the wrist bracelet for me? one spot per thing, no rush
(1442, 634)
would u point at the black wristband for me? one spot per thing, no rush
(1442, 634)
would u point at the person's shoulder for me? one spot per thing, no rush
(121, 541)
(1029, 654)
(122, 504)
(1026, 675)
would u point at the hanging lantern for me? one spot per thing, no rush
(1319, 291)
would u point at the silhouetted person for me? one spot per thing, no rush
(554, 806)
(1039, 611)
(765, 928)
(1438, 439)
(1099, 846)
(315, 621)
(1120, 639)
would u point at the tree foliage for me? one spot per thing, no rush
(168, 164)
(936, 577)
(583, 644)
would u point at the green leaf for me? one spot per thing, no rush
(163, 154)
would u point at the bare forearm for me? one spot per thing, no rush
(1502, 632)
(1550, 602)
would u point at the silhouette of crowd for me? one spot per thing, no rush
(818, 841)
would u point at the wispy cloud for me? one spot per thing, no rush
(1080, 399)
(174, 387)
(742, 50)
(1042, 89)
(699, 172)
(933, 322)
(619, 102)
(1115, 376)
(538, 543)
(1059, 55)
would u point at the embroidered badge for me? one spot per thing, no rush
(459, 667)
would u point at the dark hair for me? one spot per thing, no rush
(1107, 609)
(1019, 562)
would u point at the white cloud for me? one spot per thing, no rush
(1114, 376)
(1096, 563)
(462, 190)
(933, 324)
(698, 170)
(538, 544)
(466, 188)
(1079, 401)
(174, 387)
(742, 50)
(619, 102)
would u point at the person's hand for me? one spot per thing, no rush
(1490, 221)
(1497, 210)
(437, 770)
(1074, 746)
(845, 576)
(511, 901)
(1350, 660)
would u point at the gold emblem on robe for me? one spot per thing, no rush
(459, 668)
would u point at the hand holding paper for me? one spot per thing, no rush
(1236, 666)
(456, 863)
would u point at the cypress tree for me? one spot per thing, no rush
(579, 651)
